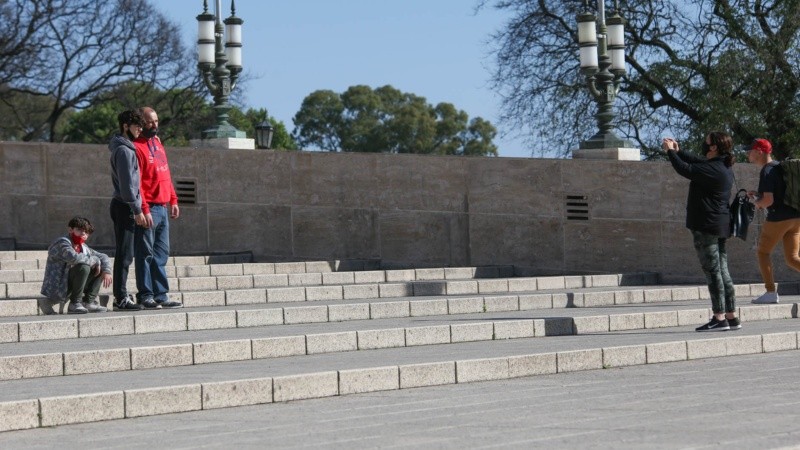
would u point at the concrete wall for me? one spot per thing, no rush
(422, 210)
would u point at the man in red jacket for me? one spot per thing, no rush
(159, 204)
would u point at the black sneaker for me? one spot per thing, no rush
(715, 325)
(126, 304)
(169, 304)
(735, 324)
(149, 303)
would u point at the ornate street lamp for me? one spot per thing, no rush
(220, 66)
(264, 132)
(602, 57)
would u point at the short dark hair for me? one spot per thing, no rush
(81, 223)
(129, 117)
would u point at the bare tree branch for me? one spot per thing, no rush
(693, 65)
(72, 51)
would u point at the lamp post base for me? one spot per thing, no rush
(223, 131)
(614, 153)
(225, 136)
(607, 145)
(227, 143)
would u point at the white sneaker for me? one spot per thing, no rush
(766, 298)
(94, 307)
(76, 308)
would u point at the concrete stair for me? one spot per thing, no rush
(355, 331)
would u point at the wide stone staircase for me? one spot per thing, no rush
(257, 333)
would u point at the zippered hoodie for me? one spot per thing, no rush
(61, 257)
(125, 172)
(156, 184)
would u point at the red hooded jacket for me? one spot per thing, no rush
(156, 182)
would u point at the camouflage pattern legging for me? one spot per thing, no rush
(714, 260)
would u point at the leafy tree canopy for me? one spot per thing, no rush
(246, 121)
(20, 111)
(693, 66)
(182, 113)
(384, 119)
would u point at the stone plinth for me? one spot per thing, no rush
(225, 143)
(617, 153)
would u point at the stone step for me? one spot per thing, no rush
(209, 266)
(163, 342)
(41, 256)
(309, 277)
(31, 403)
(261, 288)
(16, 289)
(499, 295)
(14, 255)
(236, 344)
(34, 328)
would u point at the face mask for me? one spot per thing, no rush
(150, 132)
(129, 135)
(706, 148)
(77, 240)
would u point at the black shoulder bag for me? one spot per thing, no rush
(742, 213)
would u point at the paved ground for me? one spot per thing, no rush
(745, 402)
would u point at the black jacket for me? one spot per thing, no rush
(707, 208)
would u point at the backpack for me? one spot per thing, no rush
(791, 176)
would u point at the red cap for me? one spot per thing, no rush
(762, 145)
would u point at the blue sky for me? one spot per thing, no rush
(437, 49)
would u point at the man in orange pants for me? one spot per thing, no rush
(783, 221)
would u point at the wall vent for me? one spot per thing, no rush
(577, 207)
(186, 190)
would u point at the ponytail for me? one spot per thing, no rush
(724, 144)
(729, 160)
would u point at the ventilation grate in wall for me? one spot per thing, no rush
(577, 207)
(186, 190)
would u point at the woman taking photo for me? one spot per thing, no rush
(708, 218)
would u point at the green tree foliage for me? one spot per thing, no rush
(19, 111)
(693, 66)
(93, 125)
(247, 121)
(182, 113)
(384, 119)
(64, 53)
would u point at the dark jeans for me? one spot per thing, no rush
(82, 284)
(714, 260)
(152, 252)
(124, 229)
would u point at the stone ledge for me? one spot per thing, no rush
(80, 362)
(98, 406)
(82, 408)
(163, 400)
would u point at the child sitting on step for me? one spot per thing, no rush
(74, 272)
